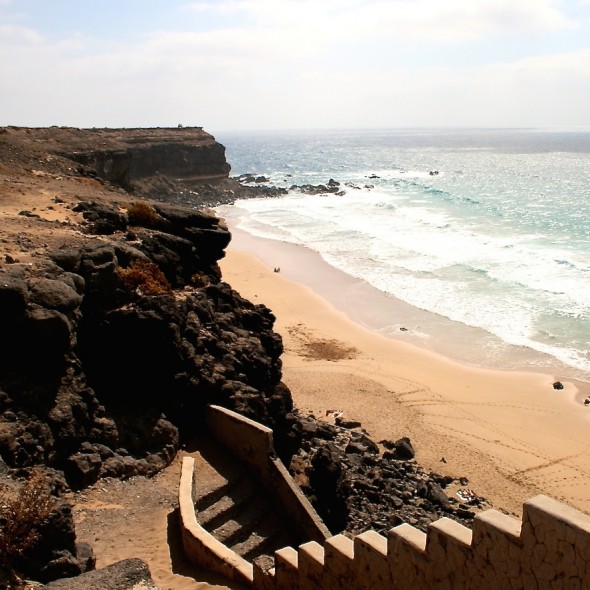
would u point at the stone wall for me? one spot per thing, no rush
(550, 548)
(200, 547)
(253, 443)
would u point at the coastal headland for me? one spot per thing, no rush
(128, 306)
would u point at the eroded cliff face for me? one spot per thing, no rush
(187, 157)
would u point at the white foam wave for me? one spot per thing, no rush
(433, 261)
(497, 240)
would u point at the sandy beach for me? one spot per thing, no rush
(511, 433)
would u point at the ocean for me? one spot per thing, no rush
(482, 234)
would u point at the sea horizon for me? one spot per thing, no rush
(221, 133)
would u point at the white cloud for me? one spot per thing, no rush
(242, 45)
(451, 20)
(20, 36)
(273, 75)
(537, 91)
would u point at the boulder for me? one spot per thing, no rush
(128, 574)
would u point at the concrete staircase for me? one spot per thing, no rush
(238, 505)
(235, 509)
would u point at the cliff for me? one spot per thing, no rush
(127, 156)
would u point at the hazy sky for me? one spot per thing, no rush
(276, 64)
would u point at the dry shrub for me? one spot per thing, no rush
(142, 214)
(21, 514)
(146, 277)
(315, 348)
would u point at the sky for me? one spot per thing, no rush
(229, 65)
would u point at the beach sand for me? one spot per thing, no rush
(138, 518)
(509, 432)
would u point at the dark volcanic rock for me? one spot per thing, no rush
(128, 574)
(114, 348)
(121, 366)
(356, 487)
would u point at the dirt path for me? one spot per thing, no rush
(139, 518)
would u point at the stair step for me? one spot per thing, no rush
(269, 547)
(242, 524)
(207, 479)
(253, 545)
(236, 509)
(228, 487)
(228, 506)
(212, 495)
(267, 536)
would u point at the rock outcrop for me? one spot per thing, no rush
(116, 346)
(129, 574)
(127, 156)
(357, 485)
(118, 330)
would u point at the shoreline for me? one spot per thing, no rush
(509, 432)
(367, 306)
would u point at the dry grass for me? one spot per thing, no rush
(21, 513)
(142, 214)
(146, 277)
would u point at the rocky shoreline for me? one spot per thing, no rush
(121, 329)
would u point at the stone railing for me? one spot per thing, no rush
(549, 549)
(199, 545)
(252, 443)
